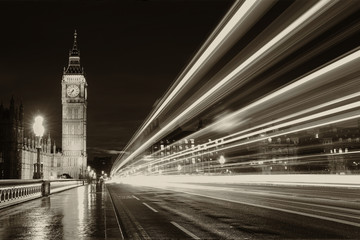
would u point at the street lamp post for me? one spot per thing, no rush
(88, 169)
(221, 161)
(39, 131)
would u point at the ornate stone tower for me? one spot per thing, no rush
(74, 104)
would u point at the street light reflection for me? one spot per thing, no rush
(81, 208)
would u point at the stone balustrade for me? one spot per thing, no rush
(18, 191)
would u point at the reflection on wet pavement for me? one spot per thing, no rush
(78, 213)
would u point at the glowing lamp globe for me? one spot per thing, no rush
(38, 127)
(222, 160)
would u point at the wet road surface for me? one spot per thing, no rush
(226, 211)
(78, 213)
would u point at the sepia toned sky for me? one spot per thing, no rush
(131, 52)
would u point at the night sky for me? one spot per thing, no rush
(131, 52)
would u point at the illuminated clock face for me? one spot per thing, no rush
(72, 90)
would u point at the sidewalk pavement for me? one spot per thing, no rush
(83, 212)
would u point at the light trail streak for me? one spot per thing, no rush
(281, 161)
(241, 14)
(326, 70)
(300, 120)
(338, 118)
(312, 109)
(293, 28)
(318, 179)
(290, 87)
(230, 138)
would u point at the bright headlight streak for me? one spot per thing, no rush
(214, 143)
(185, 152)
(241, 13)
(293, 28)
(301, 120)
(278, 39)
(296, 114)
(329, 68)
(228, 139)
(238, 17)
(279, 160)
(246, 164)
(332, 67)
(297, 121)
(295, 130)
(279, 134)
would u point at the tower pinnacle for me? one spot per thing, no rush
(74, 51)
(74, 59)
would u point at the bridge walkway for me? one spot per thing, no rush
(84, 212)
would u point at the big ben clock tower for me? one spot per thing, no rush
(74, 103)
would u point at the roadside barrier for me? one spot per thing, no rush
(18, 191)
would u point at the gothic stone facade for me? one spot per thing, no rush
(18, 153)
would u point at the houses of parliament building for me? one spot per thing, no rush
(18, 152)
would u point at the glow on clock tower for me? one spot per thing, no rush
(74, 103)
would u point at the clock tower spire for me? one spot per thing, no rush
(74, 59)
(74, 105)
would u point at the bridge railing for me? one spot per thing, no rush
(17, 191)
(64, 184)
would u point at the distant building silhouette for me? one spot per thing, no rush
(11, 135)
(18, 152)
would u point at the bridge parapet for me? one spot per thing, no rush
(17, 191)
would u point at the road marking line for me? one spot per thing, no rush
(185, 230)
(136, 197)
(150, 207)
